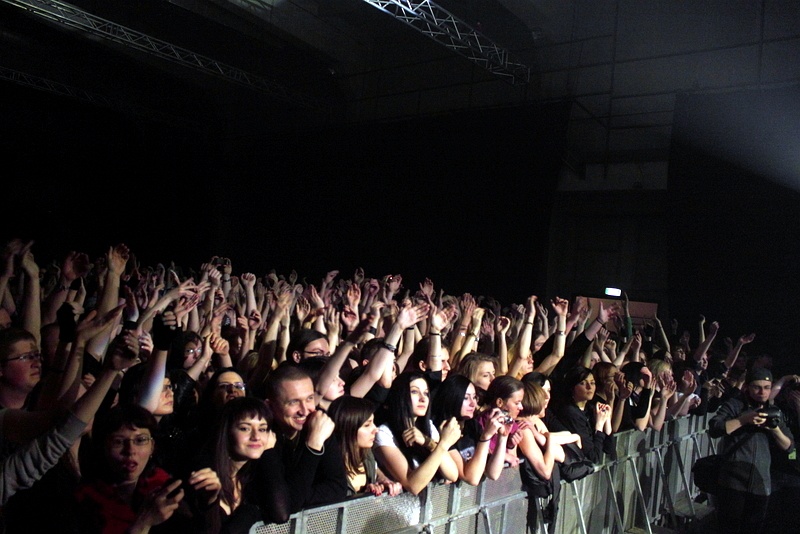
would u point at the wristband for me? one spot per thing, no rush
(435, 334)
(372, 330)
(390, 347)
(462, 334)
(599, 321)
(484, 440)
(529, 322)
(561, 333)
(410, 328)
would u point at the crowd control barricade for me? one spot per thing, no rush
(647, 487)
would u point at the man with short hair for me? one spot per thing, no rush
(750, 428)
(312, 459)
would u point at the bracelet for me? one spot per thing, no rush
(599, 321)
(390, 347)
(226, 279)
(435, 333)
(462, 334)
(484, 440)
(372, 330)
(529, 322)
(410, 328)
(561, 333)
(430, 444)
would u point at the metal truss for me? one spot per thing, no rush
(443, 27)
(72, 17)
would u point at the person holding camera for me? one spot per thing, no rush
(750, 428)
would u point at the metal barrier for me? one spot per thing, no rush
(649, 484)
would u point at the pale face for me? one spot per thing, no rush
(470, 403)
(249, 438)
(584, 390)
(166, 402)
(513, 404)
(335, 390)
(294, 403)
(538, 342)
(126, 458)
(484, 375)
(420, 397)
(366, 433)
(229, 386)
(546, 389)
(22, 374)
(445, 362)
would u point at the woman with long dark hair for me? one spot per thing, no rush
(409, 447)
(457, 397)
(355, 430)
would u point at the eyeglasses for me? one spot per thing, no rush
(197, 351)
(317, 353)
(33, 356)
(139, 441)
(170, 387)
(226, 386)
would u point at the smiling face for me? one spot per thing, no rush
(293, 404)
(365, 436)
(420, 397)
(127, 451)
(248, 438)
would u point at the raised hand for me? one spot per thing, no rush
(561, 306)
(411, 314)
(426, 288)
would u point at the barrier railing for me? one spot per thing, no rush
(649, 484)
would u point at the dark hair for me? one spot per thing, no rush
(572, 378)
(11, 335)
(125, 415)
(301, 339)
(175, 357)
(535, 377)
(502, 387)
(449, 399)
(313, 366)
(420, 354)
(234, 411)
(349, 414)
(632, 372)
(287, 371)
(399, 415)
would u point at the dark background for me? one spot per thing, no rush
(463, 198)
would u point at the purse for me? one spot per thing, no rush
(575, 465)
(706, 473)
(706, 469)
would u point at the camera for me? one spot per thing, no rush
(773, 416)
(506, 419)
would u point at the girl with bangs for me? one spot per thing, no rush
(253, 487)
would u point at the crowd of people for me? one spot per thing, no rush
(138, 398)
